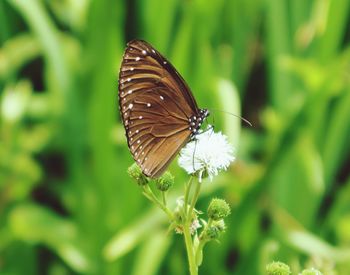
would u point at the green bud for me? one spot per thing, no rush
(277, 268)
(135, 172)
(214, 230)
(218, 209)
(311, 271)
(165, 181)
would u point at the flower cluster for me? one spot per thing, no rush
(208, 154)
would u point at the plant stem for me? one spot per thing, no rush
(164, 198)
(189, 248)
(194, 199)
(187, 193)
(199, 252)
(150, 195)
(186, 225)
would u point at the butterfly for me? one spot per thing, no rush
(158, 110)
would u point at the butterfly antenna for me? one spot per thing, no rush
(242, 118)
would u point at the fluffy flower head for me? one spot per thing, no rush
(207, 155)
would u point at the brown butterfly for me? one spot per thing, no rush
(158, 110)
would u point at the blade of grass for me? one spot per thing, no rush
(151, 254)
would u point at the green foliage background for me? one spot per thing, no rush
(67, 205)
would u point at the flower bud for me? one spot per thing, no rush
(213, 231)
(311, 271)
(277, 268)
(218, 209)
(135, 172)
(165, 181)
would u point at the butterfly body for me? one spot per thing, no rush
(158, 110)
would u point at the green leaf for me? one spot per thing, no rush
(38, 225)
(229, 102)
(152, 253)
(129, 237)
(314, 246)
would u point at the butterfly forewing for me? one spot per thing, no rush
(156, 106)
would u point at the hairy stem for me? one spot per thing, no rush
(189, 249)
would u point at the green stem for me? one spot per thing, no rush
(164, 198)
(199, 250)
(150, 195)
(190, 251)
(187, 193)
(194, 200)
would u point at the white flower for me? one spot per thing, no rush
(194, 226)
(179, 203)
(207, 155)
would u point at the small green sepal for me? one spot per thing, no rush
(218, 209)
(135, 173)
(165, 182)
(277, 268)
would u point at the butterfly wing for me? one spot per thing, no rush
(156, 106)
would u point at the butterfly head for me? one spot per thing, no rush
(195, 121)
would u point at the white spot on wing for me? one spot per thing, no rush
(140, 117)
(137, 58)
(130, 106)
(162, 98)
(144, 52)
(148, 104)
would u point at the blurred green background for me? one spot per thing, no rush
(67, 205)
